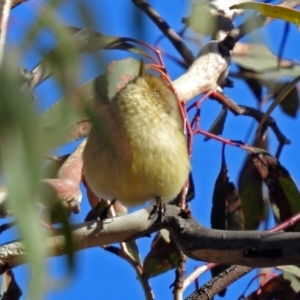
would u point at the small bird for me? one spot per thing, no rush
(136, 151)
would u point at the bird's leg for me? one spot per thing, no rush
(159, 208)
(110, 208)
(100, 211)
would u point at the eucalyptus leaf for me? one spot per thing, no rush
(283, 191)
(120, 73)
(218, 125)
(21, 153)
(272, 11)
(259, 58)
(163, 256)
(280, 97)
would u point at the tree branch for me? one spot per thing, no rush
(248, 248)
(165, 28)
(218, 283)
(121, 252)
(233, 273)
(205, 73)
(242, 110)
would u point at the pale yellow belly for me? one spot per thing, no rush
(158, 169)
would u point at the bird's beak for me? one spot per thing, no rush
(142, 69)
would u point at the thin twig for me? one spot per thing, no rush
(179, 279)
(255, 114)
(5, 6)
(125, 254)
(174, 38)
(196, 273)
(138, 268)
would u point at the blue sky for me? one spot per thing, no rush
(101, 275)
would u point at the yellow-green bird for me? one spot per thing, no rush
(136, 151)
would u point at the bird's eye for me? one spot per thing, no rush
(156, 93)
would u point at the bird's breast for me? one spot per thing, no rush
(141, 154)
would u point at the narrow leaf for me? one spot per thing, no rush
(61, 215)
(88, 40)
(254, 83)
(290, 103)
(120, 73)
(259, 58)
(21, 152)
(290, 269)
(134, 251)
(272, 11)
(226, 211)
(10, 289)
(163, 256)
(207, 20)
(250, 186)
(282, 189)
(281, 96)
(218, 125)
(57, 129)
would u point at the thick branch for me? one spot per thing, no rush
(233, 273)
(249, 248)
(205, 73)
(85, 235)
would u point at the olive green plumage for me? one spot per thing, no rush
(138, 150)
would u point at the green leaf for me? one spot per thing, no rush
(88, 40)
(250, 190)
(206, 20)
(294, 282)
(290, 103)
(120, 73)
(61, 215)
(134, 251)
(254, 83)
(290, 269)
(55, 127)
(21, 152)
(282, 189)
(283, 72)
(292, 273)
(226, 210)
(281, 96)
(163, 256)
(62, 61)
(272, 11)
(259, 58)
